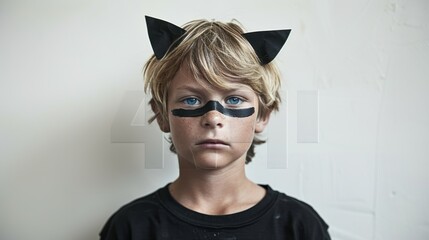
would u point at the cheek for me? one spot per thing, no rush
(243, 130)
(180, 128)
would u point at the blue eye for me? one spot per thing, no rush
(191, 101)
(234, 100)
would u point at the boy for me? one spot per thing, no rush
(213, 88)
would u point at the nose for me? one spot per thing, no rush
(213, 119)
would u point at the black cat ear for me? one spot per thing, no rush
(267, 44)
(162, 35)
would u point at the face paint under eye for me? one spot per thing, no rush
(213, 105)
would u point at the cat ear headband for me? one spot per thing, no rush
(164, 36)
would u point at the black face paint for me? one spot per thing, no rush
(213, 105)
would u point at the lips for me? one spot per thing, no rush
(214, 142)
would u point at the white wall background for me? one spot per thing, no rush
(65, 67)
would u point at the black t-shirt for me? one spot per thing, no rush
(158, 216)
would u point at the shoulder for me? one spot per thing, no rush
(141, 211)
(297, 208)
(146, 203)
(301, 218)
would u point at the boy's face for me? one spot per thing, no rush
(210, 127)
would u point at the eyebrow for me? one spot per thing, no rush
(200, 88)
(189, 87)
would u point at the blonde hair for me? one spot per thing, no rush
(215, 52)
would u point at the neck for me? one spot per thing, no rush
(216, 191)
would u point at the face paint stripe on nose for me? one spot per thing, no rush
(213, 105)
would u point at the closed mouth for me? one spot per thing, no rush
(212, 141)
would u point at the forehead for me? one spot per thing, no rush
(185, 79)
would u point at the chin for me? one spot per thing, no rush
(213, 161)
(210, 159)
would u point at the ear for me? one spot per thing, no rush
(162, 35)
(162, 123)
(262, 122)
(267, 44)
